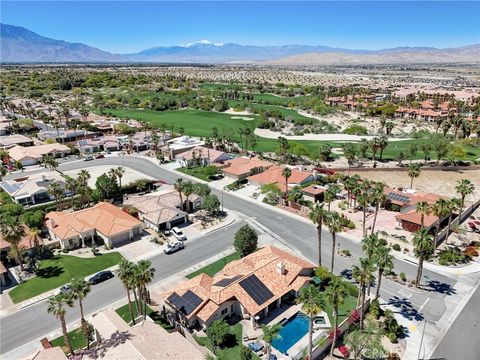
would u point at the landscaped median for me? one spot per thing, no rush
(59, 270)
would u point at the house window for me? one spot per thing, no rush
(224, 312)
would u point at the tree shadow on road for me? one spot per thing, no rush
(405, 308)
(442, 288)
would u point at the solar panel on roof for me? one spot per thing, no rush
(186, 303)
(227, 281)
(256, 289)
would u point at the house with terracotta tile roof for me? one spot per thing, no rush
(242, 167)
(32, 155)
(143, 341)
(26, 242)
(405, 202)
(53, 353)
(314, 193)
(201, 156)
(273, 175)
(102, 221)
(249, 288)
(162, 209)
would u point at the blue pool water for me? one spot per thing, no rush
(292, 330)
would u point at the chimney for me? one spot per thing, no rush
(281, 268)
(51, 223)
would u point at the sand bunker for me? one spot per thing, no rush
(242, 118)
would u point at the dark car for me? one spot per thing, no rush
(101, 156)
(100, 277)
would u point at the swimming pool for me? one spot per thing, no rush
(293, 329)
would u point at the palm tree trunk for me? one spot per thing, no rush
(136, 300)
(65, 335)
(462, 203)
(362, 303)
(319, 235)
(364, 219)
(19, 257)
(333, 251)
(335, 320)
(80, 305)
(375, 218)
(377, 291)
(419, 271)
(437, 230)
(130, 308)
(310, 337)
(411, 183)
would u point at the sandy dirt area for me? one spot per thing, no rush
(95, 171)
(434, 181)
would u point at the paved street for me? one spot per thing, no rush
(33, 321)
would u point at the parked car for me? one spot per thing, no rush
(173, 247)
(65, 289)
(178, 234)
(101, 156)
(88, 158)
(100, 277)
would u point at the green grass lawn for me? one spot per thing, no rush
(215, 267)
(197, 172)
(60, 270)
(348, 305)
(77, 340)
(124, 312)
(231, 349)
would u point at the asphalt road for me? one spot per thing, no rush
(33, 321)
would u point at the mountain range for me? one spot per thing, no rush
(18, 44)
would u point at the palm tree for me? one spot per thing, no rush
(363, 274)
(144, 274)
(35, 237)
(56, 191)
(79, 289)
(413, 172)
(330, 193)
(119, 171)
(423, 249)
(464, 187)
(336, 293)
(384, 262)
(318, 216)
(71, 185)
(334, 224)
(382, 142)
(56, 306)
(313, 304)
(13, 232)
(440, 208)
(423, 208)
(377, 198)
(188, 190)
(125, 273)
(178, 186)
(286, 173)
(283, 146)
(363, 196)
(375, 146)
(370, 245)
(270, 333)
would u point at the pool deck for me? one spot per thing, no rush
(285, 312)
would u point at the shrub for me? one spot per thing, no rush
(375, 308)
(352, 289)
(323, 274)
(403, 277)
(393, 356)
(354, 316)
(452, 256)
(344, 351)
(396, 247)
(471, 252)
(245, 353)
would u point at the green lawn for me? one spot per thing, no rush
(77, 340)
(215, 267)
(196, 172)
(348, 305)
(231, 349)
(124, 312)
(60, 270)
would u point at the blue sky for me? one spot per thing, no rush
(126, 26)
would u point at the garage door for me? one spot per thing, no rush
(177, 222)
(120, 239)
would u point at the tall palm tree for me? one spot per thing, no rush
(370, 245)
(330, 193)
(126, 272)
(79, 289)
(363, 197)
(375, 146)
(119, 171)
(313, 303)
(56, 191)
(286, 173)
(71, 186)
(56, 306)
(178, 186)
(464, 187)
(283, 146)
(35, 237)
(270, 333)
(423, 249)
(336, 293)
(144, 274)
(440, 208)
(188, 190)
(384, 262)
(318, 216)
(423, 208)
(334, 224)
(363, 274)
(413, 172)
(13, 232)
(377, 198)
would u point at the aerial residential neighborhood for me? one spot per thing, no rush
(303, 185)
